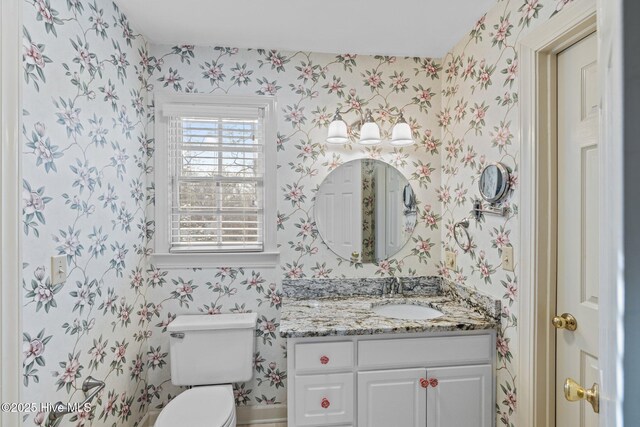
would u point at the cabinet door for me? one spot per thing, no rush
(461, 398)
(392, 398)
(323, 399)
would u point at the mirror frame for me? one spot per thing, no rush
(503, 190)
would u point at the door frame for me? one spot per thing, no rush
(538, 210)
(10, 210)
(611, 211)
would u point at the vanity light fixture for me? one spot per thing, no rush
(401, 134)
(337, 130)
(370, 132)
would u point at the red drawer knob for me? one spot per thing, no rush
(325, 403)
(424, 383)
(433, 382)
(324, 360)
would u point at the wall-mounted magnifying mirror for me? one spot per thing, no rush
(365, 209)
(409, 198)
(494, 183)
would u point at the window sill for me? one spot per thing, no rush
(213, 260)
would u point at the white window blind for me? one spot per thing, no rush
(216, 165)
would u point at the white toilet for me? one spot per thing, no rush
(209, 353)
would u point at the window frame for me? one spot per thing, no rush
(161, 256)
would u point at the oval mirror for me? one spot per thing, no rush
(494, 182)
(365, 210)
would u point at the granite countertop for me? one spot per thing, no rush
(352, 315)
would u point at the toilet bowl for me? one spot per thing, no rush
(205, 406)
(208, 353)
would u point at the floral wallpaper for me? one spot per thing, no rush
(309, 87)
(479, 124)
(368, 211)
(88, 191)
(85, 158)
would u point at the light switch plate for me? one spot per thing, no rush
(450, 260)
(507, 258)
(58, 269)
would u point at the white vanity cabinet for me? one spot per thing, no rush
(392, 380)
(463, 397)
(392, 397)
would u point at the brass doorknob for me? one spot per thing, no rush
(574, 392)
(565, 321)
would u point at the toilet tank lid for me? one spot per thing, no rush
(202, 322)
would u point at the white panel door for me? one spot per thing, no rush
(578, 227)
(461, 398)
(381, 212)
(395, 212)
(392, 398)
(339, 209)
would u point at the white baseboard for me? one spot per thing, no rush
(258, 414)
(262, 414)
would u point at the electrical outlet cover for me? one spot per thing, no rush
(58, 269)
(450, 260)
(507, 258)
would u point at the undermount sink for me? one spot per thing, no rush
(406, 311)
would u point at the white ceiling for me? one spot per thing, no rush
(386, 27)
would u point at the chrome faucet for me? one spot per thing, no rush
(386, 289)
(398, 285)
(392, 288)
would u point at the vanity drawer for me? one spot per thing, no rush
(323, 356)
(324, 399)
(431, 351)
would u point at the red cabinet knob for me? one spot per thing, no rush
(324, 360)
(325, 403)
(424, 382)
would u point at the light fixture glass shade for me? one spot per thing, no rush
(401, 134)
(337, 132)
(370, 132)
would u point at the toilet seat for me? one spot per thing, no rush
(205, 406)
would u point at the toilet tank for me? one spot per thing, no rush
(212, 349)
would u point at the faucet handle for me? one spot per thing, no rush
(397, 283)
